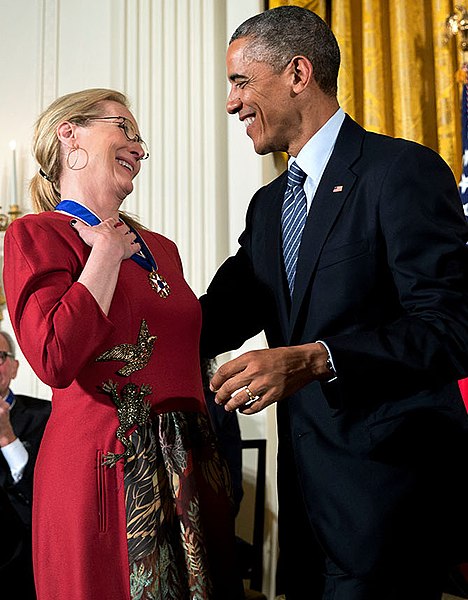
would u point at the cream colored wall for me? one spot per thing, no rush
(168, 56)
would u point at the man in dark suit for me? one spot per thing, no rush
(367, 331)
(12, 535)
(22, 423)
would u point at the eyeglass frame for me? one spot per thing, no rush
(4, 355)
(123, 125)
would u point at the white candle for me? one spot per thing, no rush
(13, 175)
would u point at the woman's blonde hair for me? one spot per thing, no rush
(77, 107)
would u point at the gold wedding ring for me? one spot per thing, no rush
(252, 398)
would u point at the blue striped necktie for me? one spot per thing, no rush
(293, 220)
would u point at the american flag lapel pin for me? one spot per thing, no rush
(338, 188)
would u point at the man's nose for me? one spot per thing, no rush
(233, 104)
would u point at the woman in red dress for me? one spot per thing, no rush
(131, 499)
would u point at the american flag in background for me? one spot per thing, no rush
(463, 185)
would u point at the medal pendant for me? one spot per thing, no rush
(159, 284)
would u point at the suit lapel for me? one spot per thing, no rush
(335, 186)
(20, 417)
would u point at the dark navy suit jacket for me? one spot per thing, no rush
(382, 278)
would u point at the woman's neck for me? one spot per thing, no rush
(85, 191)
(103, 211)
(102, 206)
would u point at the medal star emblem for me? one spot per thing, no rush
(135, 355)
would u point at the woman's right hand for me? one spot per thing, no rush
(110, 236)
(111, 242)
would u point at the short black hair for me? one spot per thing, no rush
(277, 35)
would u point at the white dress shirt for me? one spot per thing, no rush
(314, 156)
(312, 159)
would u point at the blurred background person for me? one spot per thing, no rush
(22, 423)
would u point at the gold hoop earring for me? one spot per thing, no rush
(75, 151)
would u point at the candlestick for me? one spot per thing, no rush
(13, 175)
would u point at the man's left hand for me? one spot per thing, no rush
(258, 378)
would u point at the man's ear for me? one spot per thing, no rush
(302, 72)
(14, 368)
(66, 133)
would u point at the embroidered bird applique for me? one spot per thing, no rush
(135, 355)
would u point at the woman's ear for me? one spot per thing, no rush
(66, 133)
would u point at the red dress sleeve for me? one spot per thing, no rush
(57, 322)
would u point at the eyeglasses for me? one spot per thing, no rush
(4, 355)
(128, 128)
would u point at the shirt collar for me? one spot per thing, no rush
(313, 157)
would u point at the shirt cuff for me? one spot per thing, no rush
(17, 458)
(330, 363)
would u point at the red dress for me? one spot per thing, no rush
(130, 498)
